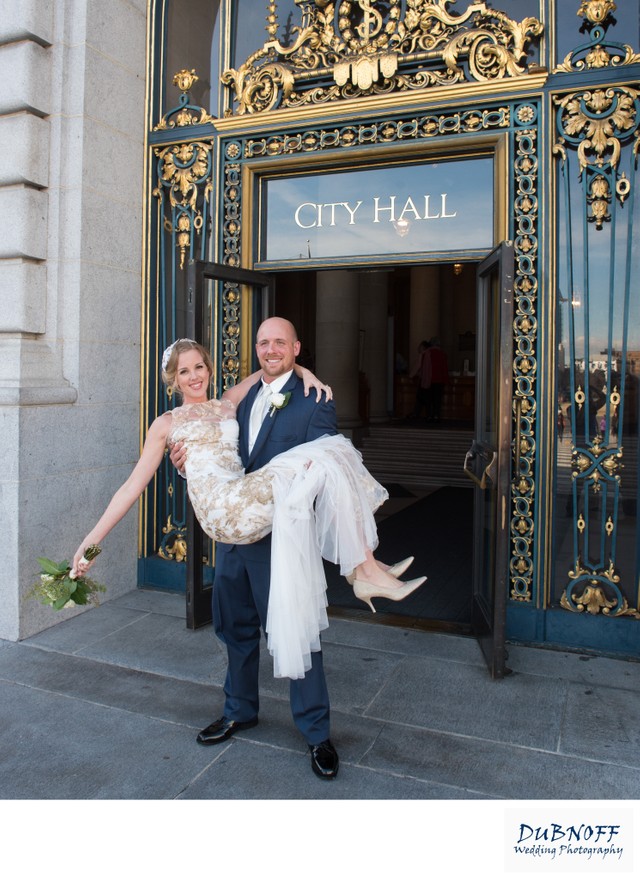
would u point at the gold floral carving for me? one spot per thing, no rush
(600, 52)
(597, 123)
(186, 114)
(597, 117)
(176, 549)
(599, 200)
(594, 599)
(184, 169)
(374, 47)
(596, 11)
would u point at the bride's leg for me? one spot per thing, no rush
(397, 569)
(371, 581)
(346, 498)
(375, 572)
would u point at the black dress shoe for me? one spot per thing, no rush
(223, 729)
(324, 759)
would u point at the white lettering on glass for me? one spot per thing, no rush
(377, 209)
(444, 206)
(306, 204)
(325, 214)
(311, 215)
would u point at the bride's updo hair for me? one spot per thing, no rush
(170, 360)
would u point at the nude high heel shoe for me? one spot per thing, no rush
(399, 568)
(396, 570)
(365, 591)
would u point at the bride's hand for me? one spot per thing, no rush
(310, 381)
(178, 455)
(79, 565)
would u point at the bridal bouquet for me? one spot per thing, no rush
(60, 587)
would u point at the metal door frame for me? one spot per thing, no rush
(489, 621)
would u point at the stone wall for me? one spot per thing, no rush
(72, 99)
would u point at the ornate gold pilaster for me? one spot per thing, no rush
(594, 125)
(184, 168)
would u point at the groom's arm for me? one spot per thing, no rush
(323, 421)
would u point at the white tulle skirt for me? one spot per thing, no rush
(324, 501)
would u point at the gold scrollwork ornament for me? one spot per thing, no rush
(598, 119)
(593, 599)
(376, 47)
(176, 549)
(185, 171)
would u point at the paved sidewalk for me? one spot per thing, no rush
(122, 690)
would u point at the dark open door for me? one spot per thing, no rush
(488, 462)
(198, 323)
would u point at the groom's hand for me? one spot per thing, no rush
(178, 455)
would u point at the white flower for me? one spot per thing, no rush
(70, 603)
(278, 401)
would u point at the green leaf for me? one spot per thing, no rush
(50, 567)
(80, 594)
(59, 603)
(70, 585)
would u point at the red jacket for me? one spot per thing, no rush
(439, 369)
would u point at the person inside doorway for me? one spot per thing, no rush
(436, 370)
(422, 372)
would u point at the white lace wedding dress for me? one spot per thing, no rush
(318, 499)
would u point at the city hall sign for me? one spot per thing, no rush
(442, 209)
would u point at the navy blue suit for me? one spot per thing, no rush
(241, 587)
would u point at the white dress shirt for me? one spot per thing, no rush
(261, 404)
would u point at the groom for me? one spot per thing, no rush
(241, 586)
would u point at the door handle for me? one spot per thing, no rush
(490, 470)
(469, 458)
(474, 460)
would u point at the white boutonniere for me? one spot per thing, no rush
(278, 401)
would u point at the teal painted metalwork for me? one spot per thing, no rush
(182, 144)
(598, 130)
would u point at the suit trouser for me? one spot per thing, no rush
(240, 600)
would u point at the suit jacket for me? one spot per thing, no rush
(300, 421)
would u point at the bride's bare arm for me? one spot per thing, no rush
(128, 493)
(238, 392)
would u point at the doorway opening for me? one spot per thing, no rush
(416, 452)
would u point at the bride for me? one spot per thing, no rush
(317, 498)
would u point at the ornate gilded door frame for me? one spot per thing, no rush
(354, 86)
(247, 148)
